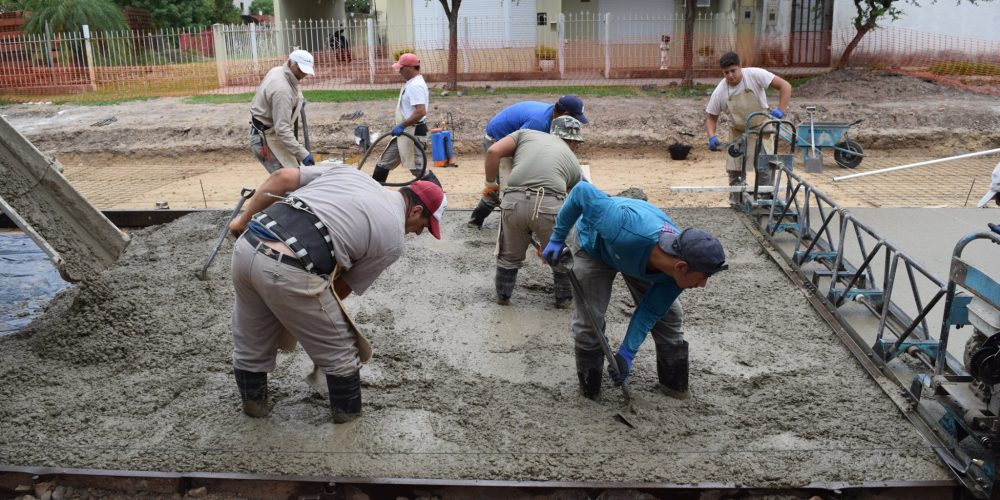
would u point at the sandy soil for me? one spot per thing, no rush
(131, 371)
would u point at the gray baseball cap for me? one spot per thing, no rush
(700, 250)
(566, 127)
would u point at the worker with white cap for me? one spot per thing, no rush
(274, 115)
(994, 192)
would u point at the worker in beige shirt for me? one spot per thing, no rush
(274, 115)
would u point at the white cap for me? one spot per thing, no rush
(994, 188)
(304, 60)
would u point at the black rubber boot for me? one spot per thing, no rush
(253, 392)
(563, 289)
(590, 371)
(672, 370)
(345, 397)
(505, 280)
(429, 176)
(480, 213)
(380, 174)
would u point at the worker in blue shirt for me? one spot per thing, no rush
(531, 115)
(657, 260)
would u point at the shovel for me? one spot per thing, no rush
(245, 195)
(566, 264)
(813, 159)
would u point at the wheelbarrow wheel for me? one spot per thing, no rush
(849, 160)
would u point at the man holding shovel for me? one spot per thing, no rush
(544, 171)
(742, 92)
(310, 237)
(274, 115)
(657, 260)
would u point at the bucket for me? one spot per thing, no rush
(441, 147)
(679, 151)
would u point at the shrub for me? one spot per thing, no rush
(706, 51)
(396, 54)
(546, 53)
(966, 68)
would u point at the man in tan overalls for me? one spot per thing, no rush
(274, 115)
(744, 91)
(411, 117)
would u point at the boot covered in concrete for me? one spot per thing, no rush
(735, 179)
(253, 392)
(505, 281)
(480, 213)
(672, 370)
(562, 289)
(590, 371)
(429, 176)
(345, 397)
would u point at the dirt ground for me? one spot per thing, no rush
(195, 156)
(131, 370)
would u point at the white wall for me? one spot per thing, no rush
(650, 20)
(499, 23)
(979, 22)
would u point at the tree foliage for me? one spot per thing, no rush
(357, 6)
(71, 15)
(11, 5)
(265, 7)
(180, 13)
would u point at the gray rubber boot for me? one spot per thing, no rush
(480, 213)
(590, 371)
(429, 176)
(562, 289)
(672, 370)
(345, 397)
(735, 179)
(253, 392)
(380, 174)
(505, 280)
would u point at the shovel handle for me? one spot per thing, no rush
(245, 194)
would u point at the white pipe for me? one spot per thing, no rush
(918, 164)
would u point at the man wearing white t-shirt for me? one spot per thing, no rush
(411, 117)
(743, 91)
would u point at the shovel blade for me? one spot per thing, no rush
(814, 163)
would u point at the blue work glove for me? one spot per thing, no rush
(713, 143)
(777, 113)
(624, 361)
(397, 130)
(553, 251)
(308, 160)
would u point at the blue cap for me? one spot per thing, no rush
(572, 105)
(700, 250)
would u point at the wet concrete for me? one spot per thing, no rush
(130, 370)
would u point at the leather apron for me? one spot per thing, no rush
(405, 145)
(741, 106)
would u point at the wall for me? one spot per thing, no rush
(944, 17)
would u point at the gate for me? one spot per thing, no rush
(812, 22)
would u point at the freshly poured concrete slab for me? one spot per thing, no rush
(132, 371)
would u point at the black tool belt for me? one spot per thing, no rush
(257, 126)
(420, 130)
(297, 226)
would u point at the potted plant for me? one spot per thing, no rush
(706, 54)
(546, 58)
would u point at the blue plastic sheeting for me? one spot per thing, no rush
(28, 280)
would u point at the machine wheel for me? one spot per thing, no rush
(848, 160)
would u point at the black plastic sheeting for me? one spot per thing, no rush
(28, 280)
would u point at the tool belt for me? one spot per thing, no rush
(297, 226)
(257, 126)
(420, 129)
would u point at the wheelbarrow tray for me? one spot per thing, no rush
(828, 134)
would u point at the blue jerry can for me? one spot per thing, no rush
(441, 147)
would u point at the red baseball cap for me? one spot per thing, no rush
(406, 59)
(433, 198)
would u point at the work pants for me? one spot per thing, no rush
(523, 214)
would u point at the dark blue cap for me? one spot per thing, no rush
(572, 105)
(700, 250)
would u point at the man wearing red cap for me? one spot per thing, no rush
(310, 237)
(411, 117)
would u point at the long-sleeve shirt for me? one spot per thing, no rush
(622, 232)
(276, 100)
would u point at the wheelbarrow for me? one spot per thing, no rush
(832, 135)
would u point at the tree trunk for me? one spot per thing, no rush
(452, 14)
(846, 56)
(689, 12)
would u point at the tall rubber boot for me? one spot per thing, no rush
(672, 370)
(345, 397)
(590, 371)
(505, 280)
(563, 289)
(253, 392)
(429, 176)
(380, 174)
(480, 213)
(735, 179)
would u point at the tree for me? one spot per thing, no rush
(174, 13)
(358, 6)
(869, 14)
(223, 11)
(452, 13)
(11, 5)
(689, 12)
(71, 15)
(265, 7)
